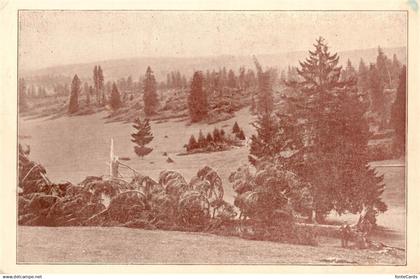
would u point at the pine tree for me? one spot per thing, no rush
(89, 93)
(209, 138)
(192, 143)
(349, 72)
(395, 70)
(235, 128)
(398, 114)
(231, 79)
(222, 134)
(101, 85)
(216, 135)
(376, 91)
(335, 138)
(150, 96)
(383, 69)
(265, 96)
(142, 137)
(86, 92)
(201, 140)
(275, 135)
(362, 76)
(115, 100)
(74, 95)
(197, 99)
(241, 78)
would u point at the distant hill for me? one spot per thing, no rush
(136, 66)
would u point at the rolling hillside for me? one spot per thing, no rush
(136, 66)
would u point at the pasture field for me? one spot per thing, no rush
(72, 148)
(135, 246)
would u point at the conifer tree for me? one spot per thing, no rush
(201, 140)
(231, 79)
(101, 87)
(86, 91)
(192, 143)
(74, 95)
(209, 138)
(376, 92)
(335, 137)
(115, 100)
(349, 72)
(362, 76)
(235, 128)
(216, 135)
(398, 114)
(275, 134)
(142, 137)
(222, 134)
(197, 99)
(265, 96)
(150, 97)
(383, 68)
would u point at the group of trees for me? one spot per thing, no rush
(211, 86)
(215, 139)
(114, 99)
(174, 80)
(323, 136)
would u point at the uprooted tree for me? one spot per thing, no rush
(142, 137)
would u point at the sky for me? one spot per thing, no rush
(50, 38)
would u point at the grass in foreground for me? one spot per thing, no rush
(135, 246)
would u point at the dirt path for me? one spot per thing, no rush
(123, 246)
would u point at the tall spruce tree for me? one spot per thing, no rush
(362, 76)
(74, 94)
(86, 92)
(382, 64)
(376, 92)
(101, 86)
(335, 137)
(231, 79)
(150, 96)
(115, 100)
(265, 98)
(197, 99)
(398, 114)
(142, 137)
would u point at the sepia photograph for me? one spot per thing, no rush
(204, 137)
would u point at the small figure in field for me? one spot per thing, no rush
(345, 235)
